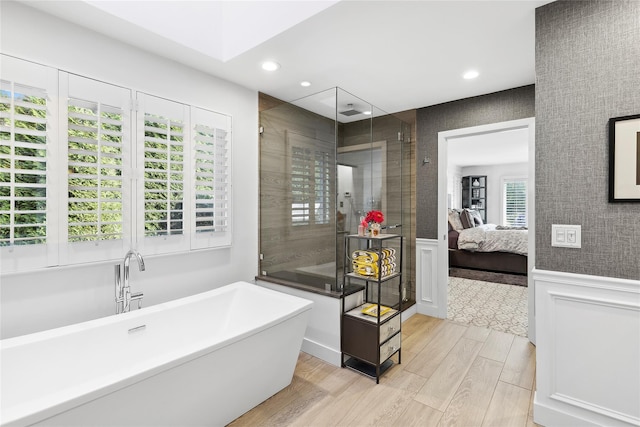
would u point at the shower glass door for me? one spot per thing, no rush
(325, 161)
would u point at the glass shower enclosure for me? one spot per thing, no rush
(325, 161)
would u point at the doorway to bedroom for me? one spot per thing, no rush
(486, 196)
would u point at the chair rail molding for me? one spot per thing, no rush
(429, 300)
(588, 348)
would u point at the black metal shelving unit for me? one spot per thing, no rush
(474, 194)
(370, 341)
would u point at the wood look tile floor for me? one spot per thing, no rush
(451, 374)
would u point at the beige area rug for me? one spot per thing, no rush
(492, 305)
(489, 276)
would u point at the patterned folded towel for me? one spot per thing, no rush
(372, 256)
(368, 262)
(371, 270)
(364, 261)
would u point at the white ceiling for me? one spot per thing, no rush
(496, 148)
(397, 55)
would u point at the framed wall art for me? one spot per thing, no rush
(624, 159)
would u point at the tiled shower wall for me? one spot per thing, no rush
(289, 246)
(316, 245)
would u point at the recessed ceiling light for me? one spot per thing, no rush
(305, 84)
(367, 113)
(270, 65)
(471, 74)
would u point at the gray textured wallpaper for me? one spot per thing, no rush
(512, 104)
(587, 71)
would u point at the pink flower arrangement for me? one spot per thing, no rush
(374, 216)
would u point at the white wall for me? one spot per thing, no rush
(64, 295)
(495, 174)
(454, 187)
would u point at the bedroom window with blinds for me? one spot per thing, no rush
(24, 123)
(514, 193)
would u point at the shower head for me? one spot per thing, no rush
(350, 111)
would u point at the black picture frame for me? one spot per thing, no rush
(624, 159)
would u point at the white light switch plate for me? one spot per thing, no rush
(566, 236)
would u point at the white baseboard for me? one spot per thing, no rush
(588, 348)
(551, 417)
(320, 351)
(406, 314)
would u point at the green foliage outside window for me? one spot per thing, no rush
(23, 146)
(164, 179)
(95, 172)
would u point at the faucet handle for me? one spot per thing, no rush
(137, 296)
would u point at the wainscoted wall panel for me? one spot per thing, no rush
(512, 104)
(428, 300)
(587, 62)
(588, 336)
(587, 324)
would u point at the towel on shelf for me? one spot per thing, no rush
(367, 262)
(371, 270)
(370, 256)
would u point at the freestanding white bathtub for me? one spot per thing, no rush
(202, 360)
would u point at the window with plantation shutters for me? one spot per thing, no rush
(89, 170)
(163, 176)
(23, 164)
(98, 123)
(210, 146)
(95, 163)
(28, 207)
(162, 188)
(514, 194)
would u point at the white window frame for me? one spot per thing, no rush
(503, 196)
(73, 86)
(26, 257)
(175, 111)
(221, 235)
(59, 86)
